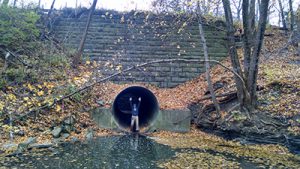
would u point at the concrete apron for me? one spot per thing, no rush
(167, 120)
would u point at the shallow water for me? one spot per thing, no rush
(128, 151)
(136, 151)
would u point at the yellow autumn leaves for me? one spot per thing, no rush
(40, 89)
(58, 108)
(11, 97)
(33, 96)
(8, 98)
(2, 105)
(81, 79)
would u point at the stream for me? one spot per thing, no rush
(138, 151)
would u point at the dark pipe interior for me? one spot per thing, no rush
(148, 109)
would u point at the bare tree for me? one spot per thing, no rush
(238, 7)
(282, 15)
(295, 39)
(292, 16)
(207, 65)
(47, 21)
(217, 8)
(51, 9)
(246, 88)
(78, 55)
(257, 10)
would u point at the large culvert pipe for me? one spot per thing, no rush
(148, 109)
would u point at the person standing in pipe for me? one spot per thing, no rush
(135, 114)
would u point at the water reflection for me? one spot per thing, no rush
(128, 151)
(136, 151)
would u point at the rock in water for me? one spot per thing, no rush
(56, 131)
(70, 120)
(65, 135)
(24, 146)
(68, 129)
(90, 134)
(75, 140)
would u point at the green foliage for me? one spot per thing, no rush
(18, 75)
(57, 74)
(71, 89)
(15, 74)
(18, 28)
(32, 76)
(2, 82)
(56, 60)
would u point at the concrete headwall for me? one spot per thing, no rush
(119, 40)
(167, 120)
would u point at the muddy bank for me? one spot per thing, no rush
(257, 128)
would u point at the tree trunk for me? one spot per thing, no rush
(76, 7)
(296, 35)
(247, 36)
(39, 4)
(252, 18)
(257, 10)
(282, 15)
(51, 9)
(238, 13)
(249, 32)
(78, 55)
(241, 90)
(292, 16)
(253, 70)
(207, 65)
(238, 10)
(217, 8)
(247, 93)
(47, 22)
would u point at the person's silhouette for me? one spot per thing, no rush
(135, 114)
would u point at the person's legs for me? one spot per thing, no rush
(137, 127)
(132, 123)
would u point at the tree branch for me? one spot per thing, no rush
(220, 95)
(207, 65)
(15, 56)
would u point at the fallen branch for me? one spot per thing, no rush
(124, 71)
(220, 95)
(15, 56)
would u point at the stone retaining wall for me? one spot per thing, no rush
(119, 40)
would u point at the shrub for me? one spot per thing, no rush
(15, 75)
(2, 82)
(56, 60)
(18, 28)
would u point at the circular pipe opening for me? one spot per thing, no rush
(148, 109)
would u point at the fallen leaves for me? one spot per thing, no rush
(11, 97)
(204, 150)
(2, 105)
